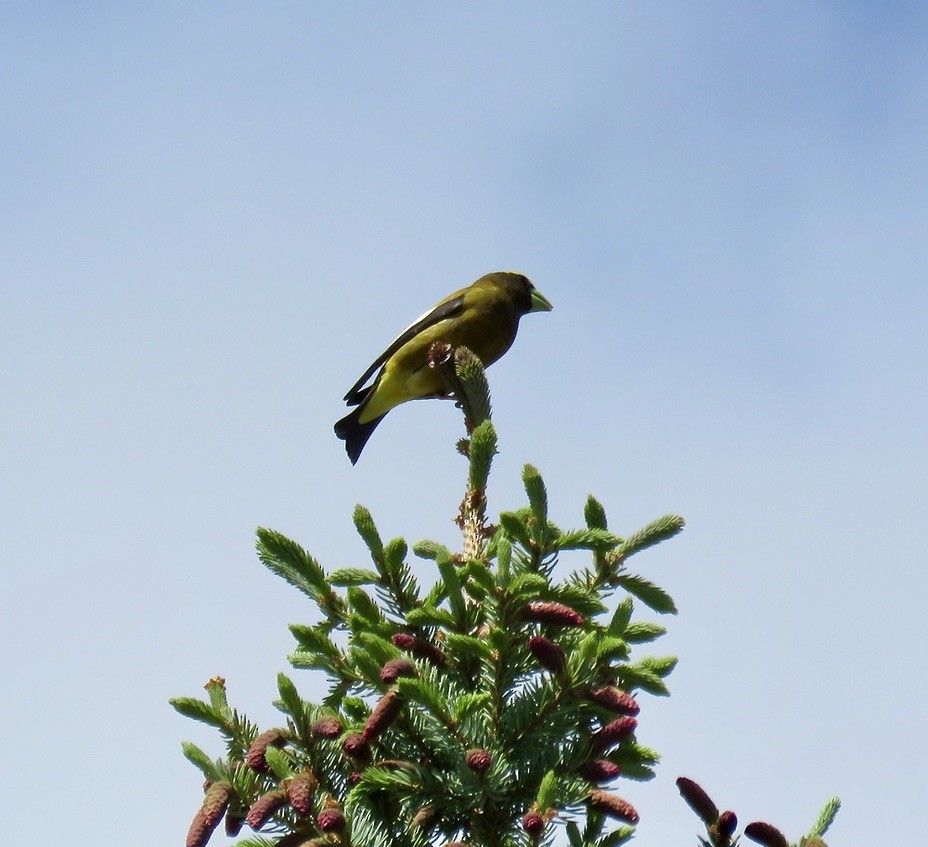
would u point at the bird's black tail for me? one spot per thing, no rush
(354, 433)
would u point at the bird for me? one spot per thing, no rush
(483, 317)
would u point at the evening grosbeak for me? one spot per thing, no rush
(483, 317)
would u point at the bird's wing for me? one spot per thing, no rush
(448, 308)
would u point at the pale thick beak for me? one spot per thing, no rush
(540, 302)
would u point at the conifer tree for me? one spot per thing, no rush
(489, 709)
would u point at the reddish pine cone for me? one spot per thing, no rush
(613, 732)
(404, 641)
(385, 712)
(354, 778)
(727, 824)
(356, 747)
(698, 800)
(211, 811)
(614, 806)
(479, 760)
(424, 817)
(256, 757)
(599, 770)
(544, 611)
(615, 700)
(216, 802)
(395, 668)
(331, 820)
(300, 793)
(265, 806)
(327, 728)
(533, 823)
(549, 655)
(234, 824)
(199, 832)
(419, 648)
(766, 834)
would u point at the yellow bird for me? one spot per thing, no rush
(483, 317)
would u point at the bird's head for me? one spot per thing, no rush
(524, 294)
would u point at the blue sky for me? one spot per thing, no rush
(215, 215)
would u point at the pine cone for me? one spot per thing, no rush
(424, 817)
(199, 832)
(418, 647)
(726, 824)
(256, 757)
(698, 800)
(265, 806)
(599, 770)
(210, 813)
(384, 713)
(615, 700)
(395, 668)
(544, 611)
(300, 792)
(234, 824)
(327, 728)
(613, 732)
(479, 760)
(404, 641)
(549, 655)
(216, 802)
(331, 820)
(533, 823)
(356, 747)
(614, 806)
(766, 834)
